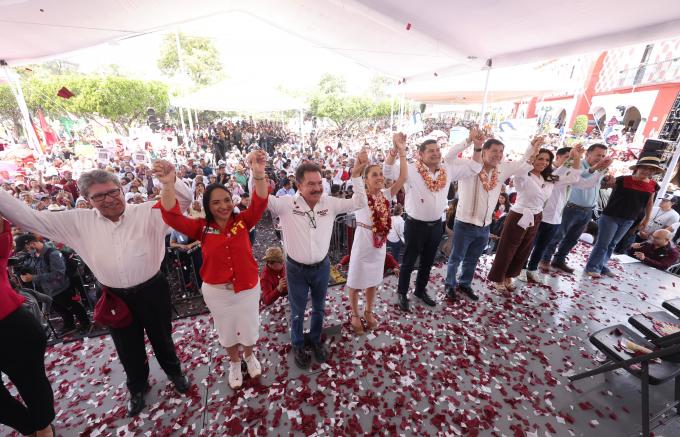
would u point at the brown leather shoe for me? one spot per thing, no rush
(562, 266)
(544, 267)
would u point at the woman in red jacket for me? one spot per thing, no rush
(231, 287)
(23, 342)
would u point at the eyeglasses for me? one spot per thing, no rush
(312, 218)
(101, 196)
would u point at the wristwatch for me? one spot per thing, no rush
(478, 150)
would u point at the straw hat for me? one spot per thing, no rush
(649, 161)
(273, 254)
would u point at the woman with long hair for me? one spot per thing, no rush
(23, 343)
(231, 287)
(369, 247)
(521, 223)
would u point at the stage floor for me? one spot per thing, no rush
(495, 367)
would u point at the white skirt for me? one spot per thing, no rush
(236, 315)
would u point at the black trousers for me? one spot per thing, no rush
(67, 308)
(23, 342)
(421, 239)
(151, 312)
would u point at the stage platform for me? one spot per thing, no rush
(495, 367)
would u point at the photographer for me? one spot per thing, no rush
(23, 343)
(50, 275)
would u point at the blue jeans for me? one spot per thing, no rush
(544, 236)
(610, 230)
(302, 281)
(574, 222)
(469, 241)
(395, 249)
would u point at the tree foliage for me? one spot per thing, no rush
(331, 100)
(200, 57)
(123, 101)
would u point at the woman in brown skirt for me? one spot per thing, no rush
(521, 224)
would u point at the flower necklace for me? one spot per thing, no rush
(436, 185)
(489, 184)
(379, 207)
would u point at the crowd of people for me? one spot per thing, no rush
(412, 198)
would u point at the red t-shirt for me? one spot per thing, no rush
(269, 280)
(10, 300)
(227, 254)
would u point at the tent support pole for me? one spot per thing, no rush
(15, 87)
(191, 122)
(181, 71)
(489, 64)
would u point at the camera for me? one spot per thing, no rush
(21, 258)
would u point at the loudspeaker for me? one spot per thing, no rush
(655, 147)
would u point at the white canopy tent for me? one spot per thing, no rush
(397, 38)
(504, 84)
(245, 97)
(412, 40)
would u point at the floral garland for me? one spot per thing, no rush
(436, 185)
(489, 184)
(380, 216)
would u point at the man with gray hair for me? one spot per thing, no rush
(124, 246)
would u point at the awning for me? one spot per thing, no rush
(395, 37)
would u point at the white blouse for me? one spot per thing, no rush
(533, 193)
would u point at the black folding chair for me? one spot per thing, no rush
(607, 341)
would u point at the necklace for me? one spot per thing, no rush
(489, 183)
(379, 207)
(432, 185)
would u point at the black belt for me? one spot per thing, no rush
(306, 266)
(432, 223)
(573, 205)
(136, 287)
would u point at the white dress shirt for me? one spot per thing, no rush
(396, 233)
(306, 231)
(423, 204)
(663, 219)
(552, 213)
(533, 193)
(121, 254)
(475, 204)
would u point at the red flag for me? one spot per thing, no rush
(65, 93)
(50, 137)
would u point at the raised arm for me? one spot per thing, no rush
(400, 143)
(165, 172)
(358, 199)
(390, 171)
(57, 226)
(572, 175)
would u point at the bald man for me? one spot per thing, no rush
(658, 251)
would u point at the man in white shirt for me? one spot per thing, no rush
(124, 246)
(663, 217)
(478, 196)
(307, 221)
(427, 187)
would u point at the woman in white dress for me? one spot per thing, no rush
(367, 259)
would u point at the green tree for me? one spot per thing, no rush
(330, 100)
(200, 57)
(9, 110)
(123, 101)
